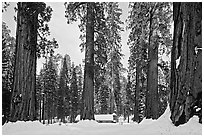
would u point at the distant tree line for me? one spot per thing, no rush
(58, 94)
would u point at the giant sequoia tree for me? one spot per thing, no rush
(159, 30)
(85, 12)
(150, 29)
(96, 41)
(23, 96)
(31, 18)
(186, 62)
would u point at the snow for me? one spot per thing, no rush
(196, 49)
(165, 58)
(77, 118)
(162, 126)
(178, 62)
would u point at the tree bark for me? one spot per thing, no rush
(23, 103)
(186, 62)
(88, 89)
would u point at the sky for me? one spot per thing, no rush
(67, 35)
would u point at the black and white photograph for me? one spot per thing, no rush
(101, 68)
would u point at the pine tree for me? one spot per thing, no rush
(80, 86)
(104, 96)
(39, 91)
(138, 54)
(186, 63)
(101, 55)
(64, 94)
(114, 65)
(123, 81)
(129, 97)
(106, 52)
(74, 94)
(8, 48)
(50, 88)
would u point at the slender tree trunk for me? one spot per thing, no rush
(186, 62)
(53, 108)
(128, 116)
(43, 109)
(117, 95)
(112, 98)
(23, 103)
(153, 80)
(148, 97)
(88, 90)
(40, 115)
(136, 113)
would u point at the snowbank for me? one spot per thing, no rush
(162, 126)
(87, 123)
(147, 121)
(22, 127)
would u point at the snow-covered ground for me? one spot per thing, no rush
(162, 126)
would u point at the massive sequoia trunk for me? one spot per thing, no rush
(186, 62)
(152, 77)
(152, 96)
(23, 102)
(88, 89)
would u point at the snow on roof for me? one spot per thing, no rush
(100, 117)
(104, 117)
